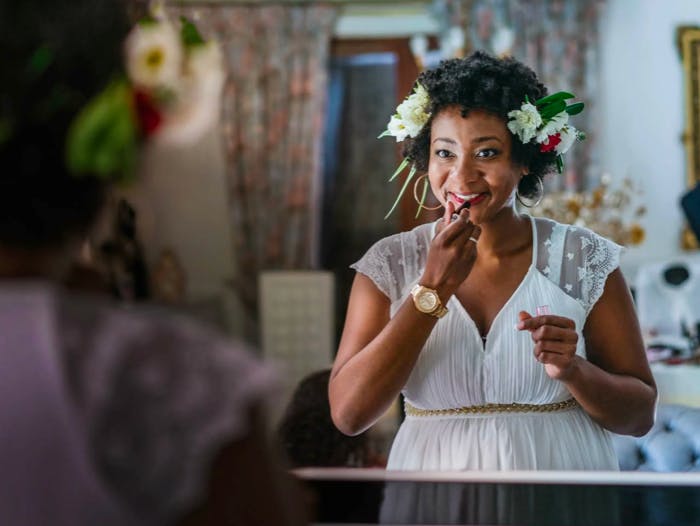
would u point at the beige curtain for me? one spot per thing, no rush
(273, 113)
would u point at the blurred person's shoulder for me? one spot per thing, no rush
(109, 346)
(146, 375)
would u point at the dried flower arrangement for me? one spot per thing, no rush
(609, 210)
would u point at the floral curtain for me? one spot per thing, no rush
(272, 124)
(559, 40)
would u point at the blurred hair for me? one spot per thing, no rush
(307, 432)
(56, 56)
(496, 85)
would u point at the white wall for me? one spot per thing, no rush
(181, 201)
(399, 19)
(643, 114)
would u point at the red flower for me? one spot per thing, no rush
(149, 117)
(551, 143)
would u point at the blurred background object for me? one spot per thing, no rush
(122, 256)
(168, 280)
(613, 211)
(309, 437)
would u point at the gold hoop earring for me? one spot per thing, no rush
(420, 201)
(540, 193)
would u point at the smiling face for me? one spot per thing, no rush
(470, 160)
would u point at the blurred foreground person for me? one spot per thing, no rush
(107, 416)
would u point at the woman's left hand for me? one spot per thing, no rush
(555, 340)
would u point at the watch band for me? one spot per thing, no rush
(418, 290)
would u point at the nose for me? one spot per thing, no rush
(465, 171)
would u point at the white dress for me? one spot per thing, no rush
(568, 272)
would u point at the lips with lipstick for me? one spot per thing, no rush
(465, 200)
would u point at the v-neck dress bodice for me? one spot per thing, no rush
(456, 368)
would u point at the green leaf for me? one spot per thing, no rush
(410, 175)
(422, 197)
(575, 109)
(550, 110)
(102, 139)
(148, 20)
(384, 134)
(190, 34)
(40, 60)
(403, 165)
(560, 164)
(554, 97)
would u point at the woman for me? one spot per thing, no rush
(107, 416)
(447, 313)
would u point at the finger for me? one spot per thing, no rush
(449, 210)
(456, 230)
(474, 234)
(564, 363)
(551, 358)
(550, 332)
(554, 347)
(524, 315)
(446, 218)
(536, 322)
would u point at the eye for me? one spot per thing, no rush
(443, 154)
(487, 153)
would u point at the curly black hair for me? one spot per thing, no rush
(307, 432)
(496, 85)
(56, 56)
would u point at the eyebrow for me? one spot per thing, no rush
(478, 140)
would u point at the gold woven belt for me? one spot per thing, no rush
(492, 408)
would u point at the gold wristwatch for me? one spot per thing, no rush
(427, 301)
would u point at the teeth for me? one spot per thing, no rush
(466, 197)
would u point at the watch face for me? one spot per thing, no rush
(427, 301)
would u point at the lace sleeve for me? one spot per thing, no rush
(377, 265)
(591, 265)
(167, 397)
(577, 260)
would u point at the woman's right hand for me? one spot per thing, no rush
(452, 253)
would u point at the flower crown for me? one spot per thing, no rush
(171, 91)
(546, 122)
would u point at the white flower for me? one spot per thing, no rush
(410, 115)
(396, 128)
(154, 55)
(197, 107)
(554, 125)
(524, 122)
(568, 134)
(420, 95)
(204, 61)
(414, 124)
